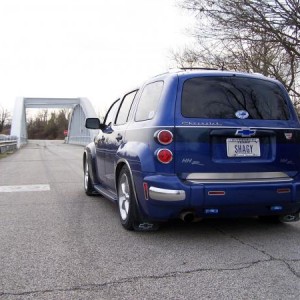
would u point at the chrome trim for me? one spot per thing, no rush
(166, 195)
(233, 127)
(164, 149)
(245, 175)
(211, 126)
(157, 133)
(242, 181)
(152, 127)
(238, 177)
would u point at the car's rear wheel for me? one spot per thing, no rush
(127, 202)
(88, 186)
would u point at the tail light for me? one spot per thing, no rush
(164, 137)
(165, 156)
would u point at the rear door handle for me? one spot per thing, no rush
(119, 137)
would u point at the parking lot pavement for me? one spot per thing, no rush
(58, 243)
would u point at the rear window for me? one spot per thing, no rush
(232, 98)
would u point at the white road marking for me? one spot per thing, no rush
(25, 188)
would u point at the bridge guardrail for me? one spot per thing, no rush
(8, 143)
(79, 140)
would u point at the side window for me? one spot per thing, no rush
(125, 108)
(111, 114)
(149, 100)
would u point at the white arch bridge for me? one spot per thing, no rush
(77, 133)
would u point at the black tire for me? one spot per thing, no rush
(126, 200)
(88, 186)
(128, 210)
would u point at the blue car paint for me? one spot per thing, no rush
(199, 146)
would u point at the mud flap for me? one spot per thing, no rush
(145, 226)
(290, 218)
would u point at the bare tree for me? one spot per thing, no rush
(277, 21)
(48, 124)
(248, 35)
(4, 116)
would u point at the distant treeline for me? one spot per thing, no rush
(48, 125)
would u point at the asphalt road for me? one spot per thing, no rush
(58, 243)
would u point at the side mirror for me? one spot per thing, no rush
(93, 123)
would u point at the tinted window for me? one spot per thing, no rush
(111, 114)
(125, 108)
(223, 97)
(148, 101)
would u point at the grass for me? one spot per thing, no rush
(3, 155)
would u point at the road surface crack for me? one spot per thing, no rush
(99, 286)
(270, 257)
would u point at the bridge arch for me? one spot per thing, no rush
(77, 133)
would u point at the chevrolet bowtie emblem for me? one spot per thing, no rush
(245, 132)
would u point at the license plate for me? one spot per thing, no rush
(243, 147)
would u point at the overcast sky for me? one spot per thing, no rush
(85, 48)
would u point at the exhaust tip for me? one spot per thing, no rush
(187, 216)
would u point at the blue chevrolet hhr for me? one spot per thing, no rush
(197, 144)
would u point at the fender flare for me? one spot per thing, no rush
(90, 155)
(120, 164)
(140, 154)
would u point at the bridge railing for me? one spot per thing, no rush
(8, 143)
(79, 140)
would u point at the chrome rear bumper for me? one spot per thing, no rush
(238, 177)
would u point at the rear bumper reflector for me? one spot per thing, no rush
(283, 191)
(216, 193)
(146, 190)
